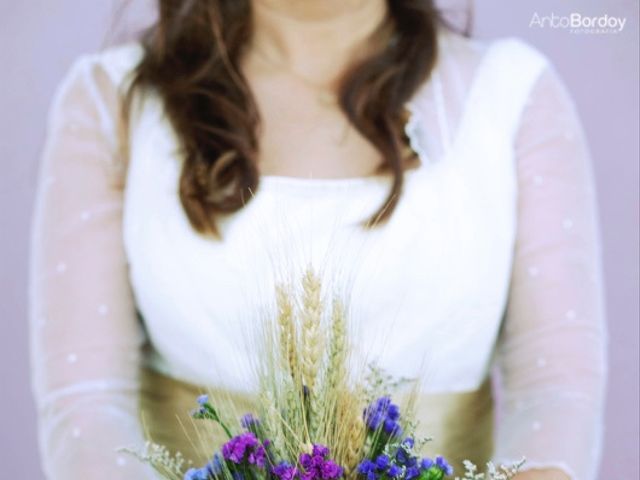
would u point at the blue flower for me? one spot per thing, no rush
(442, 464)
(392, 428)
(382, 462)
(412, 473)
(405, 459)
(210, 471)
(366, 466)
(215, 465)
(197, 474)
(368, 469)
(374, 420)
(394, 412)
(376, 413)
(426, 463)
(383, 413)
(402, 457)
(202, 399)
(394, 471)
(408, 442)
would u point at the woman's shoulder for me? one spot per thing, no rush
(117, 63)
(483, 77)
(95, 83)
(89, 97)
(508, 54)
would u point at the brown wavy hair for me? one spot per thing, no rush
(192, 60)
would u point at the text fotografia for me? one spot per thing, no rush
(579, 23)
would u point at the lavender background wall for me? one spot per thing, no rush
(39, 39)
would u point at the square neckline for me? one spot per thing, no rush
(413, 122)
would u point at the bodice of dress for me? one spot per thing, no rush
(426, 288)
(492, 258)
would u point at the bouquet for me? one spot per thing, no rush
(314, 420)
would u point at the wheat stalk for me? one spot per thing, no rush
(311, 332)
(334, 375)
(287, 331)
(328, 410)
(354, 445)
(350, 430)
(336, 369)
(312, 345)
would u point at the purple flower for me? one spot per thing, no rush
(320, 450)
(248, 421)
(285, 471)
(330, 470)
(306, 460)
(245, 449)
(316, 466)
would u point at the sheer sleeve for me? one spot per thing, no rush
(85, 337)
(552, 348)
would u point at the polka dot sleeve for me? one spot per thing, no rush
(552, 348)
(85, 338)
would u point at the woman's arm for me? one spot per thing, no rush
(552, 349)
(85, 338)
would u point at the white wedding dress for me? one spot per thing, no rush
(492, 257)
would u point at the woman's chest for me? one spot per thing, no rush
(428, 285)
(304, 133)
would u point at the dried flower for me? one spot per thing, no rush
(316, 466)
(285, 471)
(249, 422)
(383, 413)
(245, 449)
(211, 470)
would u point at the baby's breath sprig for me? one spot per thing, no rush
(378, 383)
(503, 472)
(158, 456)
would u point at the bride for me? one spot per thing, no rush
(448, 178)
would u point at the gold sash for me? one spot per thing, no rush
(461, 424)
